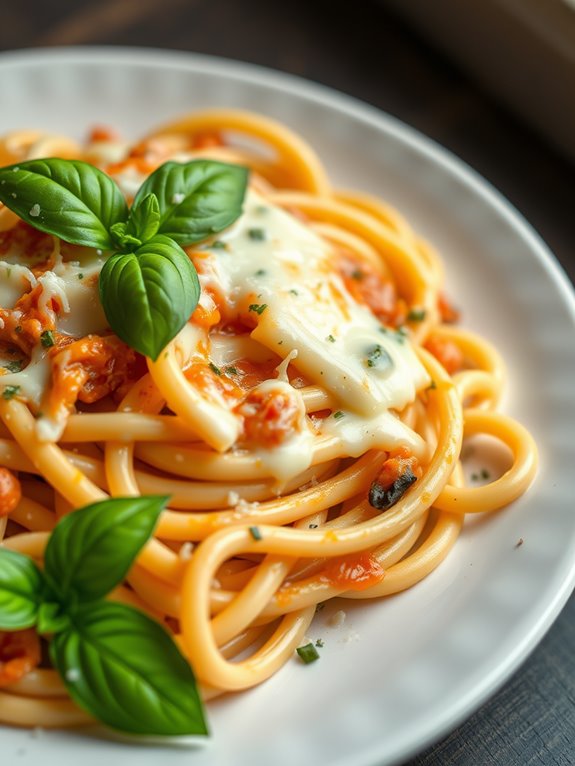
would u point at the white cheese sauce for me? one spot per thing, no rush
(271, 262)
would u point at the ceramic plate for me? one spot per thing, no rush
(400, 672)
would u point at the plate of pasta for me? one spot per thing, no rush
(286, 421)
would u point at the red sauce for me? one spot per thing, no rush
(356, 572)
(19, 654)
(10, 491)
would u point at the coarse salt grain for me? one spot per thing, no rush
(35, 210)
(337, 619)
(185, 552)
(177, 198)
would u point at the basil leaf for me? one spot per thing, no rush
(144, 219)
(91, 550)
(121, 238)
(68, 198)
(196, 198)
(21, 587)
(123, 668)
(52, 618)
(149, 295)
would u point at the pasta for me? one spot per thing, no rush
(307, 422)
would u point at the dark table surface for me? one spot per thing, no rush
(362, 49)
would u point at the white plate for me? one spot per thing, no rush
(400, 672)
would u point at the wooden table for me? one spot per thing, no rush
(362, 49)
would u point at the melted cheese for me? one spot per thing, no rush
(69, 295)
(301, 303)
(271, 262)
(15, 280)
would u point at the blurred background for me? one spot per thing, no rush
(491, 80)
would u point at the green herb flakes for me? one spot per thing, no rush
(257, 234)
(10, 392)
(47, 339)
(258, 308)
(308, 653)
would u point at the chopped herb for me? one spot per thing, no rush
(330, 338)
(357, 274)
(320, 606)
(231, 370)
(10, 392)
(219, 245)
(259, 308)
(257, 234)
(378, 357)
(280, 342)
(432, 386)
(261, 209)
(320, 643)
(338, 415)
(308, 653)
(255, 533)
(484, 473)
(47, 339)
(519, 543)
(18, 329)
(14, 366)
(383, 498)
(260, 273)
(215, 369)
(294, 292)
(80, 276)
(312, 526)
(416, 315)
(474, 477)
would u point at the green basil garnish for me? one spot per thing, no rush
(71, 199)
(116, 662)
(196, 199)
(125, 669)
(149, 286)
(149, 295)
(92, 551)
(20, 588)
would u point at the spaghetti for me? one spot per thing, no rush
(307, 422)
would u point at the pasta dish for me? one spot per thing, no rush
(306, 422)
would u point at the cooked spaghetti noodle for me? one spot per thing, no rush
(307, 423)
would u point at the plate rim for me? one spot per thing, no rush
(434, 729)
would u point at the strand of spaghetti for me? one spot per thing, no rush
(514, 481)
(193, 462)
(343, 239)
(13, 456)
(284, 510)
(248, 604)
(48, 458)
(378, 209)
(477, 389)
(482, 354)
(212, 423)
(403, 260)
(428, 557)
(40, 682)
(48, 713)
(33, 516)
(313, 590)
(294, 154)
(126, 426)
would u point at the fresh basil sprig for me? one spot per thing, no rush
(149, 287)
(116, 662)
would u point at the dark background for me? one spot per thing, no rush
(363, 49)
